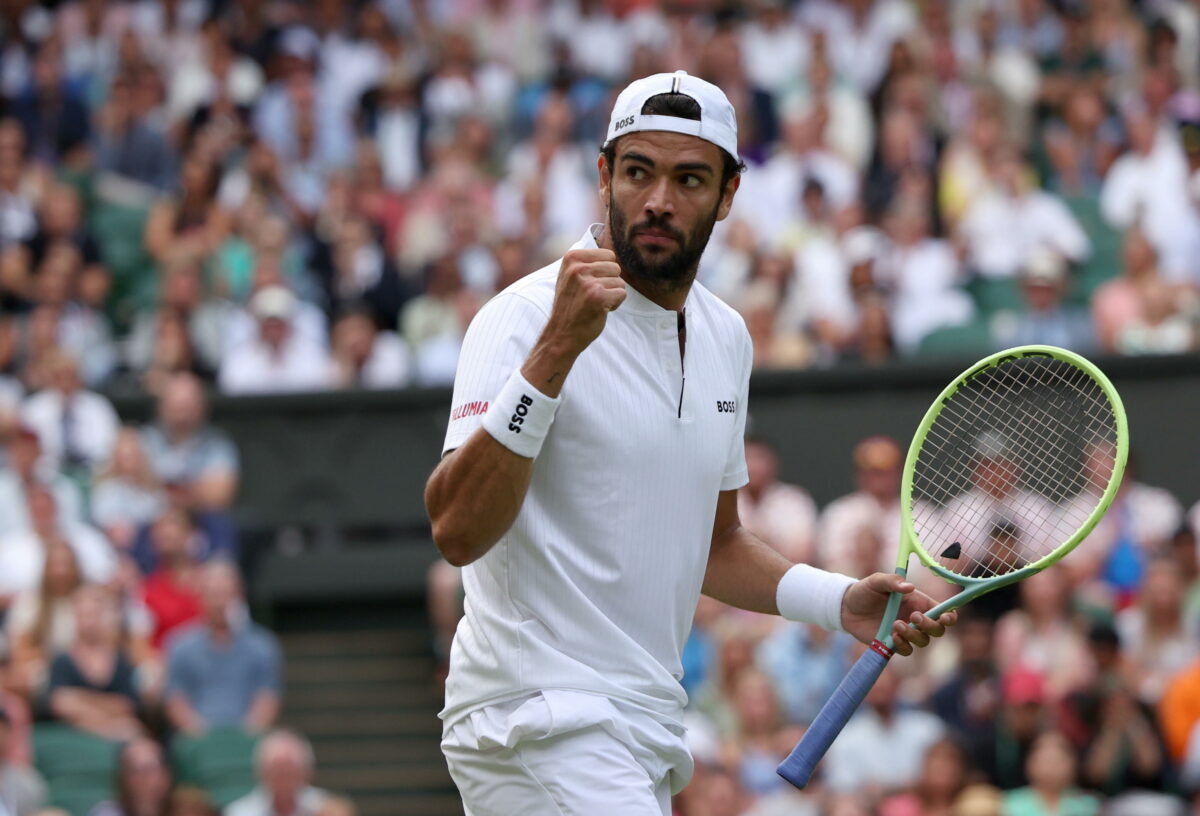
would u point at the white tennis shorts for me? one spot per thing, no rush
(568, 753)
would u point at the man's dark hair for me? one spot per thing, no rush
(681, 106)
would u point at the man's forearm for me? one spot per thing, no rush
(476, 492)
(744, 571)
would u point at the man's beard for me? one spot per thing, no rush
(667, 271)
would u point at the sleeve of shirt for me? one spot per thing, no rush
(220, 455)
(735, 466)
(497, 343)
(179, 678)
(267, 674)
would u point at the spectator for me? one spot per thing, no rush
(805, 663)
(143, 783)
(359, 271)
(783, 515)
(93, 685)
(1040, 636)
(1157, 642)
(873, 510)
(1122, 749)
(215, 72)
(41, 621)
(16, 714)
(1000, 747)
(970, 697)
(129, 146)
(1179, 716)
(18, 219)
(60, 221)
(1146, 187)
(942, 779)
(1052, 771)
(26, 469)
(77, 428)
(22, 789)
(170, 591)
(777, 345)
(127, 495)
(55, 121)
(182, 297)
(995, 507)
(73, 323)
(922, 276)
(365, 357)
(23, 552)
(279, 360)
(1003, 227)
(222, 672)
(1119, 306)
(1046, 319)
(883, 747)
(195, 461)
(1081, 146)
(1109, 564)
(762, 739)
(551, 159)
(284, 765)
(191, 222)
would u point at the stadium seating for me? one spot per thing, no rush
(78, 767)
(221, 763)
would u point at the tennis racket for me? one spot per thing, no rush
(1011, 467)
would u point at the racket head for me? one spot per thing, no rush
(1036, 430)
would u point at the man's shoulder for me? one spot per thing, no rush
(724, 318)
(259, 638)
(537, 287)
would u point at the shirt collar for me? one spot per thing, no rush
(635, 302)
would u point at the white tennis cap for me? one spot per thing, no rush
(718, 122)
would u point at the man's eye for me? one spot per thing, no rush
(637, 173)
(691, 180)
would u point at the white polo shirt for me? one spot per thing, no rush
(594, 587)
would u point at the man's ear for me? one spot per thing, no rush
(605, 179)
(727, 197)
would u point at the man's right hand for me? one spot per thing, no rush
(589, 287)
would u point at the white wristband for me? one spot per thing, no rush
(812, 595)
(520, 417)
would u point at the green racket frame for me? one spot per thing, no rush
(974, 587)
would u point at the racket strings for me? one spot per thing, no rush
(1014, 464)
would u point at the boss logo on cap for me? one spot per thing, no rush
(623, 123)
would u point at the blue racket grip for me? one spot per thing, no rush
(802, 761)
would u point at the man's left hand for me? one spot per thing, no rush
(864, 603)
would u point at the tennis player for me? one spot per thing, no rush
(588, 486)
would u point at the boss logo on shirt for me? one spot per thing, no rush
(726, 406)
(518, 417)
(623, 123)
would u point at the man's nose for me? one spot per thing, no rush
(660, 201)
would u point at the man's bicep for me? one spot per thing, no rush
(496, 344)
(726, 518)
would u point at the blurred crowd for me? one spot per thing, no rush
(271, 196)
(1076, 691)
(123, 609)
(281, 196)
(1073, 693)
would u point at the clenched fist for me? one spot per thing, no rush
(589, 287)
